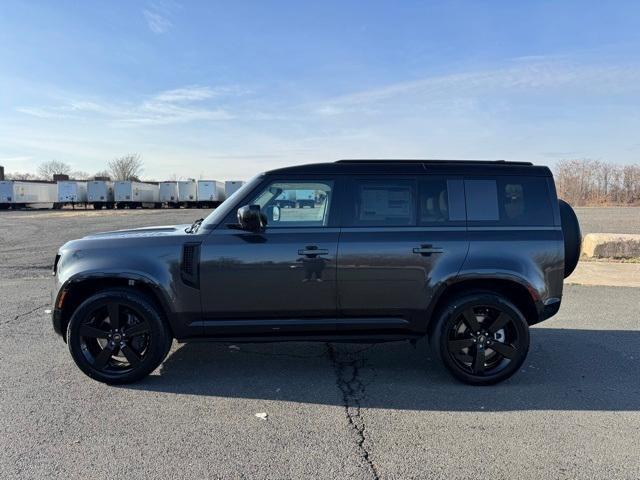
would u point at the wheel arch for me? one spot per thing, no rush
(77, 289)
(514, 289)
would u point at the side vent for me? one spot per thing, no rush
(190, 264)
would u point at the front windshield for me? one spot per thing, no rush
(225, 207)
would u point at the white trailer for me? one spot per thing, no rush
(17, 194)
(188, 193)
(210, 193)
(72, 191)
(100, 194)
(231, 187)
(136, 194)
(169, 194)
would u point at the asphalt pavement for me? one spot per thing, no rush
(299, 410)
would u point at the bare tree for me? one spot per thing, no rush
(48, 169)
(102, 174)
(21, 176)
(79, 175)
(128, 167)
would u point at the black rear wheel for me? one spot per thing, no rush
(481, 338)
(118, 336)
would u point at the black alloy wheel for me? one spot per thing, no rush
(118, 336)
(482, 339)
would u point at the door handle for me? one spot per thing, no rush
(427, 250)
(313, 251)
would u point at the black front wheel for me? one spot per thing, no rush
(118, 336)
(481, 338)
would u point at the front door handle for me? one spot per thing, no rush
(313, 251)
(427, 250)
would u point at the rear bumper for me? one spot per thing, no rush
(550, 308)
(56, 320)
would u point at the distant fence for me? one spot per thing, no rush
(592, 182)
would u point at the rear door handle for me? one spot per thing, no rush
(427, 250)
(313, 251)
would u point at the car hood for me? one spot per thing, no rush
(144, 232)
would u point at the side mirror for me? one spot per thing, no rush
(251, 218)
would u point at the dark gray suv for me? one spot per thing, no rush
(467, 253)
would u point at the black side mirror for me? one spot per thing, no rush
(251, 218)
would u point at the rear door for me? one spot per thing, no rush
(401, 239)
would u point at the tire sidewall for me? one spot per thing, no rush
(160, 338)
(447, 316)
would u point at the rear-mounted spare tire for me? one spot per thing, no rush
(572, 237)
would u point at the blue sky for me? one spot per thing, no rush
(226, 89)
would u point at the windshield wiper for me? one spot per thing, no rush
(194, 226)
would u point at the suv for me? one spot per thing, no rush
(468, 253)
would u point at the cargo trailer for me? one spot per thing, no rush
(100, 194)
(210, 193)
(72, 192)
(31, 194)
(188, 193)
(169, 194)
(231, 187)
(128, 194)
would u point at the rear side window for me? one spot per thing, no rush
(509, 201)
(380, 202)
(402, 202)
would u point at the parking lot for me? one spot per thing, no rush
(332, 410)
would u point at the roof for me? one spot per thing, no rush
(415, 167)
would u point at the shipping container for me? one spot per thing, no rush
(169, 194)
(130, 194)
(72, 191)
(100, 194)
(210, 193)
(231, 187)
(32, 194)
(188, 193)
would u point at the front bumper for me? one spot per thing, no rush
(56, 320)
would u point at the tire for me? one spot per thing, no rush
(470, 357)
(97, 206)
(110, 354)
(572, 237)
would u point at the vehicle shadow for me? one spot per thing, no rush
(567, 369)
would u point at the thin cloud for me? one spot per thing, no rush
(181, 105)
(157, 15)
(536, 73)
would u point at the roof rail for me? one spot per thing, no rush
(435, 162)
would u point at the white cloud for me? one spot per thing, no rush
(156, 22)
(180, 105)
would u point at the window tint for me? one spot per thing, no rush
(296, 204)
(509, 201)
(440, 201)
(383, 203)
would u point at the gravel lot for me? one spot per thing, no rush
(333, 411)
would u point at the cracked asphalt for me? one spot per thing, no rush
(333, 410)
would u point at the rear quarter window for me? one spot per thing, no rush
(508, 201)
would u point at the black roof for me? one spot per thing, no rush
(410, 167)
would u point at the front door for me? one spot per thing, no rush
(279, 281)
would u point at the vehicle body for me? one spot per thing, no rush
(100, 194)
(467, 253)
(231, 186)
(188, 193)
(29, 194)
(210, 193)
(169, 194)
(72, 192)
(129, 194)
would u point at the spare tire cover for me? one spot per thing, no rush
(572, 237)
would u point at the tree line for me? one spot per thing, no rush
(589, 182)
(127, 167)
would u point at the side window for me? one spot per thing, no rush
(509, 201)
(382, 202)
(296, 203)
(440, 201)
